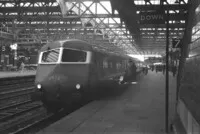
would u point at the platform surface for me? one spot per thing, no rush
(140, 109)
(14, 74)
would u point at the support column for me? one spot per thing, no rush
(47, 18)
(167, 76)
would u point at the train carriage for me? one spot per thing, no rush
(70, 70)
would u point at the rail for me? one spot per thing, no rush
(6, 115)
(16, 80)
(37, 122)
(16, 103)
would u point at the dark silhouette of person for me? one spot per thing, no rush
(156, 67)
(19, 63)
(146, 70)
(130, 73)
(164, 69)
(143, 70)
(153, 67)
(174, 70)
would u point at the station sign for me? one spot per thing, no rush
(153, 17)
(176, 43)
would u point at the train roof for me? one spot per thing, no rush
(70, 43)
(80, 44)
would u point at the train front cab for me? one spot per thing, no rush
(62, 75)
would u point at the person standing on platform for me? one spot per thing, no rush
(156, 68)
(146, 70)
(174, 70)
(22, 66)
(163, 69)
(130, 73)
(152, 69)
(19, 64)
(143, 70)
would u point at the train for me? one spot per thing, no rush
(71, 70)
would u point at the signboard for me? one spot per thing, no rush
(176, 43)
(155, 17)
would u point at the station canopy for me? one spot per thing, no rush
(121, 26)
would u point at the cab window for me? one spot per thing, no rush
(70, 55)
(50, 56)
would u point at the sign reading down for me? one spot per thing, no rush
(156, 17)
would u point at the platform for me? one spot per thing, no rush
(14, 74)
(139, 109)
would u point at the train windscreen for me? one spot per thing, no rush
(50, 56)
(70, 55)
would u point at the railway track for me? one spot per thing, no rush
(36, 120)
(15, 96)
(19, 110)
(15, 86)
(46, 120)
(16, 93)
(20, 117)
(11, 83)
(15, 89)
(15, 100)
(19, 114)
(16, 80)
(15, 105)
(34, 124)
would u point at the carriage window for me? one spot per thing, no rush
(50, 56)
(70, 55)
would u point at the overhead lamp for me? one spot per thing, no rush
(183, 1)
(162, 1)
(147, 0)
(177, 2)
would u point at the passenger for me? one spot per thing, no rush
(152, 67)
(146, 70)
(22, 66)
(174, 70)
(130, 73)
(163, 69)
(143, 69)
(18, 64)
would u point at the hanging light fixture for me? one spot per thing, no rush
(147, 0)
(177, 2)
(183, 1)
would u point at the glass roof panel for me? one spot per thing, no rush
(157, 2)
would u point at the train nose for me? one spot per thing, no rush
(38, 94)
(39, 86)
(48, 90)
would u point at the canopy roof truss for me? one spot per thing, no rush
(47, 20)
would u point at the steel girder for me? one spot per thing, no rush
(38, 20)
(149, 31)
(41, 19)
(101, 23)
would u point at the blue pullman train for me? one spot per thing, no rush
(71, 70)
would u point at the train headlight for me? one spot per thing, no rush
(39, 86)
(121, 78)
(78, 86)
